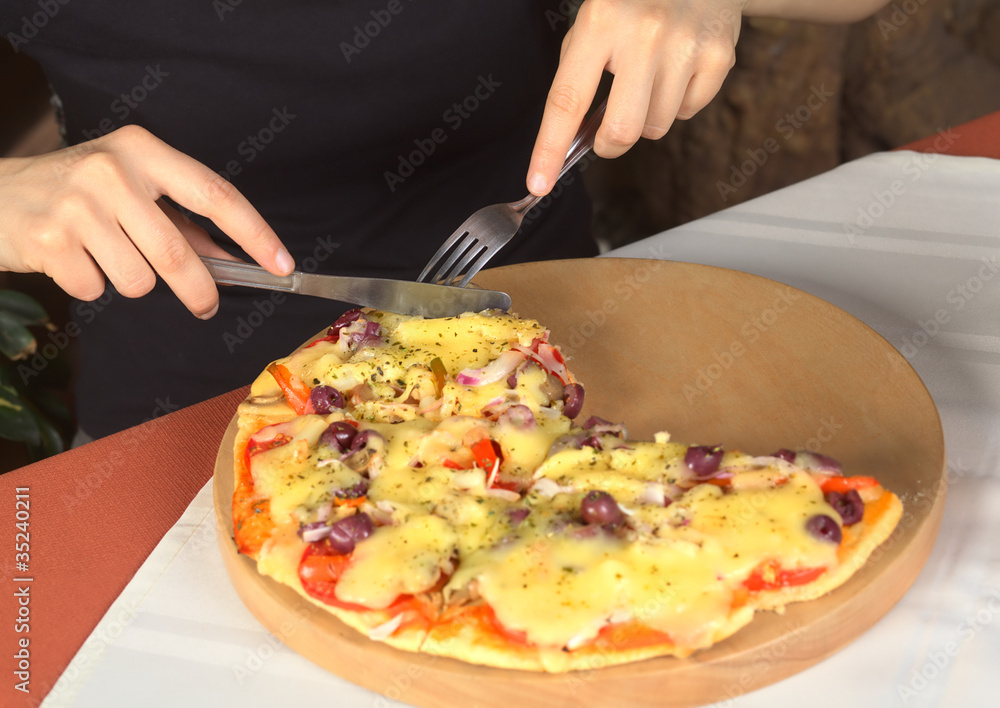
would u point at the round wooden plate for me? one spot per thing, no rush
(713, 356)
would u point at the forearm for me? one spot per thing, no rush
(831, 11)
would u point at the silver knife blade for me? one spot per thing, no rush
(402, 296)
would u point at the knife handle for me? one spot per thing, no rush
(239, 273)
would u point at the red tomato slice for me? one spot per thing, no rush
(632, 635)
(487, 454)
(294, 388)
(489, 620)
(327, 338)
(319, 574)
(772, 577)
(509, 486)
(253, 446)
(836, 483)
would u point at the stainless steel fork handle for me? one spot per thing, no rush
(581, 145)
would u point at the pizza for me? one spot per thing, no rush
(430, 482)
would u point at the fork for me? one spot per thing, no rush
(488, 230)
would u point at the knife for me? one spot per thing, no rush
(401, 296)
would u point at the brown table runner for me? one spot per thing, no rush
(94, 515)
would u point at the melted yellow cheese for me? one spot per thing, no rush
(397, 379)
(561, 589)
(469, 341)
(397, 560)
(294, 476)
(675, 567)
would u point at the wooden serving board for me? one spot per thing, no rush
(713, 356)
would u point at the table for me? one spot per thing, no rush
(98, 511)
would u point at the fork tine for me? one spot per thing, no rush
(474, 250)
(454, 240)
(473, 269)
(462, 247)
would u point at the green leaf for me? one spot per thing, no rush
(25, 309)
(16, 421)
(52, 442)
(47, 403)
(16, 342)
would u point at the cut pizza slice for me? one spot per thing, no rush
(384, 368)
(389, 368)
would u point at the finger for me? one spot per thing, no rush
(168, 252)
(665, 100)
(196, 187)
(117, 256)
(711, 71)
(76, 273)
(628, 105)
(199, 239)
(573, 88)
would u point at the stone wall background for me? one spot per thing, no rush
(802, 99)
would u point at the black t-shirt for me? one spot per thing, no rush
(363, 132)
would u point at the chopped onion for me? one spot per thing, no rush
(519, 416)
(324, 511)
(548, 488)
(550, 413)
(316, 531)
(487, 410)
(570, 441)
(654, 494)
(499, 368)
(518, 515)
(493, 473)
(369, 337)
(588, 531)
(383, 513)
(386, 630)
(428, 404)
(809, 460)
(505, 494)
(343, 321)
(785, 454)
(599, 426)
(548, 357)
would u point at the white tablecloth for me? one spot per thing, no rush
(909, 244)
